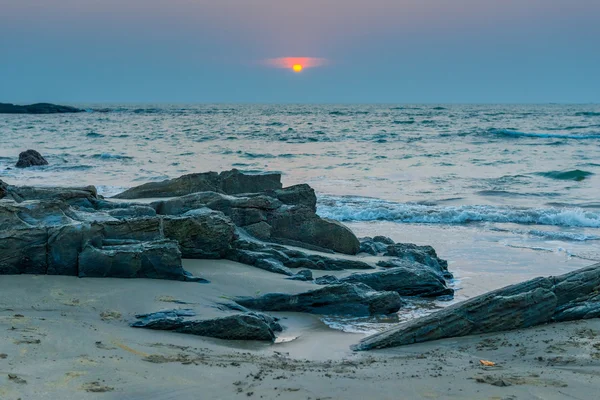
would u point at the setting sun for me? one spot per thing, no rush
(297, 67)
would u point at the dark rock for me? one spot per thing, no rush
(201, 233)
(249, 253)
(39, 108)
(271, 265)
(23, 251)
(228, 182)
(3, 189)
(155, 260)
(421, 254)
(236, 182)
(297, 195)
(303, 275)
(141, 229)
(260, 230)
(327, 280)
(68, 194)
(414, 280)
(65, 243)
(538, 301)
(383, 239)
(342, 299)
(30, 158)
(246, 326)
(301, 224)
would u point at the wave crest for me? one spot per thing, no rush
(368, 209)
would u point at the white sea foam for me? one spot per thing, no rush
(368, 209)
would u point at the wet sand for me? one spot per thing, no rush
(68, 338)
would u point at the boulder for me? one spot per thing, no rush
(245, 326)
(201, 233)
(30, 158)
(301, 224)
(415, 280)
(155, 260)
(342, 299)
(38, 108)
(538, 301)
(228, 182)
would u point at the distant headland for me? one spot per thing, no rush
(39, 108)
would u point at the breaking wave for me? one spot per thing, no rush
(368, 209)
(513, 133)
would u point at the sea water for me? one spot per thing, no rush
(504, 192)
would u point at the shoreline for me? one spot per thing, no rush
(66, 333)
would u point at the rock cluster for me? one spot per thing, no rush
(575, 295)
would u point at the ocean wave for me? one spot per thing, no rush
(109, 156)
(551, 235)
(588, 114)
(571, 175)
(368, 209)
(513, 133)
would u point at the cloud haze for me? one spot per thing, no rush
(380, 50)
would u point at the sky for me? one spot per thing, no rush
(377, 51)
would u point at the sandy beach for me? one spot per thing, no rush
(68, 338)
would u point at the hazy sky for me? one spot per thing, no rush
(378, 50)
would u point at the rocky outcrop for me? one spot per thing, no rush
(52, 237)
(38, 108)
(409, 280)
(269, 216)
(342, 299)
(30, 158)
(245, 326)
(541, 300)
(227, 182)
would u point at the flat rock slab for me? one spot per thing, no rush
(228, 182)
(341, 299)
(572, 296)
(244, 326)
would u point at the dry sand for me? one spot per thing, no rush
(68, 338)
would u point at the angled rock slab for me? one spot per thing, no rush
(538, 301)
(245, 326)
(341, 299)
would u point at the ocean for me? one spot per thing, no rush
(504, 192)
